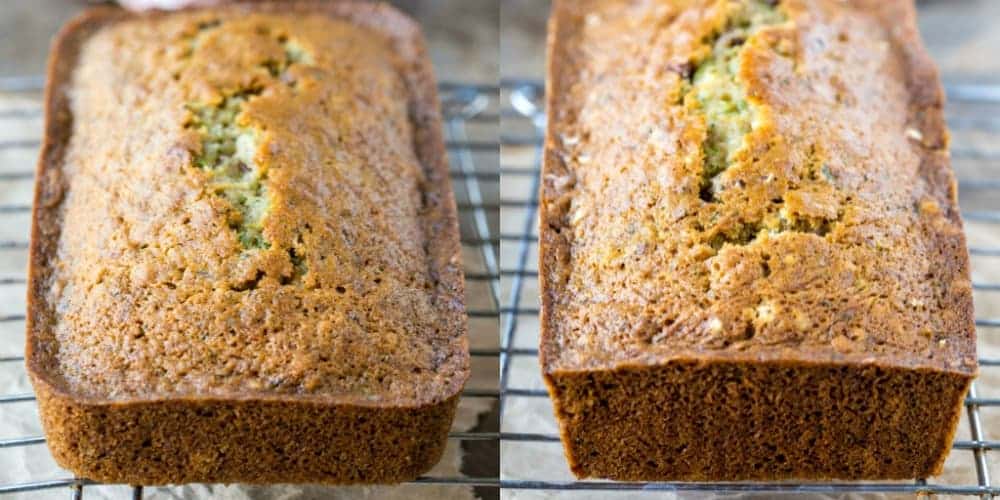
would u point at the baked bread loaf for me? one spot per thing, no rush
(752, 261)
(245, 255)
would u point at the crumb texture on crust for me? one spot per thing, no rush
(242, 210)
(749, 179)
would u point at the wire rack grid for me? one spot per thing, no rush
(972, 113)
(470, 119)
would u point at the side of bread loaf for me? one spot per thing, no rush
(751, 257)
(245, 258)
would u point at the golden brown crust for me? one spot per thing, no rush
(396, 384)
(828, 242)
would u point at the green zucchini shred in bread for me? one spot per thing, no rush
(229, 147)
(715, 85)
(227, 155)
(294, 53)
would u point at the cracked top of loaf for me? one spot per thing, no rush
(749, 180)
(248, 200)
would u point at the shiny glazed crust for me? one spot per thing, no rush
(752, 264)
(242, 429)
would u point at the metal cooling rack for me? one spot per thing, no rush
(972, 112)
(470, 120)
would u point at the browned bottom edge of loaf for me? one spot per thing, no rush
(250, 441)
(731, 421)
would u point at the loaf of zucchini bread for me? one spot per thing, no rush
(752, 262)
(245, 255)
